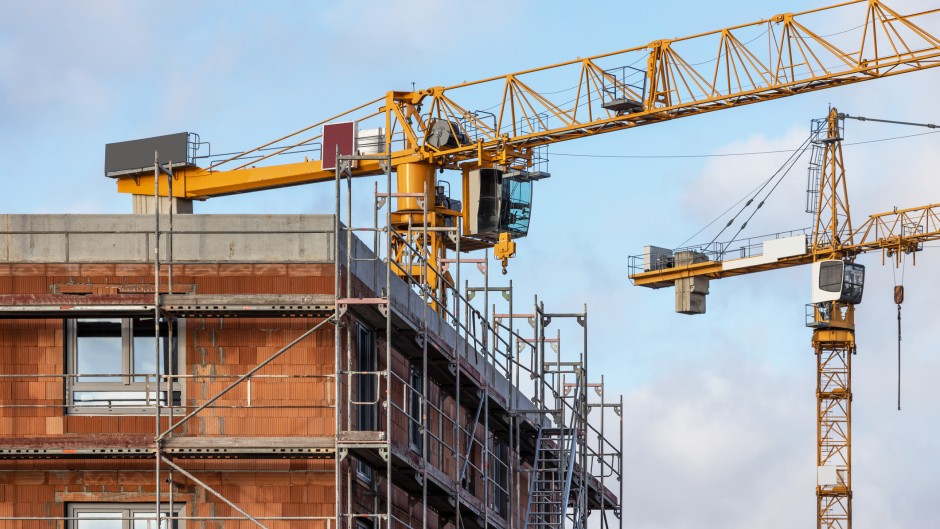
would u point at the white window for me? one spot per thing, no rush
(122, 516)
(112, 365)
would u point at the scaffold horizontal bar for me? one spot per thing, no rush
(362, 301)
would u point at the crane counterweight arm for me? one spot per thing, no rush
(894, 232)
(198, 183)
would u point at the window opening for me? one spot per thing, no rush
(499, 463)
(414, 410)
(113, 366)
(122, 516)
(366, 379)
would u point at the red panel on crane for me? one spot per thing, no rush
(341, 136)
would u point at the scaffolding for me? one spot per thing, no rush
(458, 419)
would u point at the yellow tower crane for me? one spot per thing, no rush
(417, 133)
(837, 288)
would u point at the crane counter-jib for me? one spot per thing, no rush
(892, 233)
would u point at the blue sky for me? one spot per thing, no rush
(719, 414)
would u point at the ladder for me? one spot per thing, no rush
(551, 478)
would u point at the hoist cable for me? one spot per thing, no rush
(898, 299)
(792, 162)
(787, 165)
(723, 213)
(899, 357)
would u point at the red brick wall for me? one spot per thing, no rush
(299, 488)
(217, 350)
(215, 347)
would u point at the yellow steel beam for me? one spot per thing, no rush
(895, 231)
(898, 230)
(197, 183)
(666, 277)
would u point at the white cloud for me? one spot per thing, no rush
(720, 437)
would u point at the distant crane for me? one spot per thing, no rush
(837, 288)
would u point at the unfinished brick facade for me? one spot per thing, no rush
(441, 427)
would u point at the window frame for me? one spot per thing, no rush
(127, 510)
(499, 485)
(366, 389)
(831, 276)
(127, 383)
(471, 461)
(415, 396)
(366, 385)
(364, 523)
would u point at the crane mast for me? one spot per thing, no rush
(833, 342)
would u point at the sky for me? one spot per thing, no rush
(719, 414)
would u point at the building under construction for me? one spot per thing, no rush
(297, 381)
(166, 369)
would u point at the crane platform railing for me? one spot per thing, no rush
(715, 251)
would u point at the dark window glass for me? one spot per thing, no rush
(499, 466)
(853, 283)
(366, 381)
(488, 212)
(516, 207)
(414, 409)
(830, 276)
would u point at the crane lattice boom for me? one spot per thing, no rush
(784, 55)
